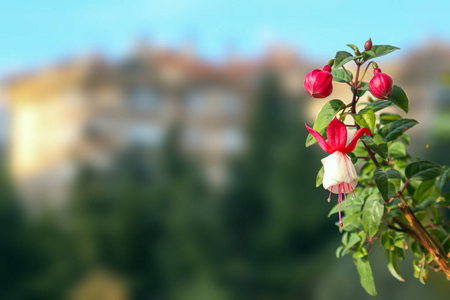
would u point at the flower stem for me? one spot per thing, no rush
(364, 74)
(353, 105)
(424, 238)
(355, 89)
(371, 155)
(404, 187)
(348, 75)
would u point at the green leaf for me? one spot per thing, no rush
(378, 51)
(369, 117)
(353, 47)
(338, 251)
(343, 57)
(359, 252)
(415, 248)
(360, 120)
(386, 240)
(400, 252)
(399, 98)
(444, 200)
(353, 157)
(392, 265)
(367, 171)
(442, 180)
(326, 114)
(386, 118)
(423, 170)
(388, 182)
(340, 57)
(399, 240)
(351, 222)
(365, 274)
(437, 218)
(395, 129)
(354, 205)
(377, 144)
(372, 214)
(363, 88)
(420, 215)
(406, 138)
(376, 106)
(366, 120)
(419, 270)
(360, 150)
(426, 203)
(344, 238)
(397, 149)
(339, 75)
(319, 178)
(352, 241)
(423, 190)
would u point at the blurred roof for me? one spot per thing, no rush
(145, 59)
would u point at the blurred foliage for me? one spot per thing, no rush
(272, 226)
(149, 227)
(152, 223)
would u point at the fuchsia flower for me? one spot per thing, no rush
(381, 84)
(340, 175)
(319, 83)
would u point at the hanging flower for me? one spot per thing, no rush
(339, 172)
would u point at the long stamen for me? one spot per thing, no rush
(329, 197)
(339, 193)
(340, 200)
(345, 195)
(352, 191)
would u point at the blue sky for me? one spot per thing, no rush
(36, 32)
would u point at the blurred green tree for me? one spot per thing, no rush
(149, 219)
(150, 223)
(15, 247)
(273, 227)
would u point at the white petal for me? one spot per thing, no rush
(339, 169)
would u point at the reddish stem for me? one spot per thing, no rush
(353, 105)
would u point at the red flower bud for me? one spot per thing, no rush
(368, 45)
(319, 83)
(381, 84)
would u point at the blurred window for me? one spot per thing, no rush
(145, 99)
(193, 138)
(145, 134)
(233, 140)
(195, 102)
(232, 103)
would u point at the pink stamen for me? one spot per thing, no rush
(339, 201)
(345, 196)
(339, 193)
(351, 191)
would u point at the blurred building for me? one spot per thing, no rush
(90, 109)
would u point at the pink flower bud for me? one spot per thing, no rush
(319, 83)
(381, 84)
